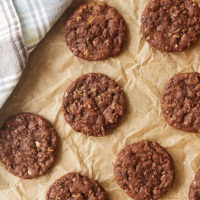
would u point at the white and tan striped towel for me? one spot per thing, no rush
(23, 24)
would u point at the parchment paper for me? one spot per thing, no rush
(141, 71)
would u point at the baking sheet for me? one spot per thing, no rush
(141, 71)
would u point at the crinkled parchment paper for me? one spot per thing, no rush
(141, 71)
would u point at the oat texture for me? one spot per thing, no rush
(144, 170)
(94, 104)
(74, 186)
(27, 145)
(95, 31)
(180, 102)
(171, 25)
(194, 191)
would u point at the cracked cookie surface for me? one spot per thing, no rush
(95, 31)
(144, 170)
(27, 145)
(194, 191)
(171, 25)
(180, 102)
(94, 104)
(75, 186)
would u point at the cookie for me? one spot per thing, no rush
(95, 31)
(194, 191)
(94, 104)
(171, 25)
(74, 186)
(27, 145)
(180, 102)
(144, 170)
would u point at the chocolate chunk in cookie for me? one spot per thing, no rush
(194, 191)
(95, 31)
(144, 170)
(94, 104)
(171, 25)
(180, 102)
(74, 186)
(27, 145)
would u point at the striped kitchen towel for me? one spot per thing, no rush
(23, 24)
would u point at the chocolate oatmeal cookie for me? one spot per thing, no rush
(27, 145)
(144, 170)
(74, 186)
(94, 104)
(194, 191)
(180, 102)
(171, 25)
(95, 31)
